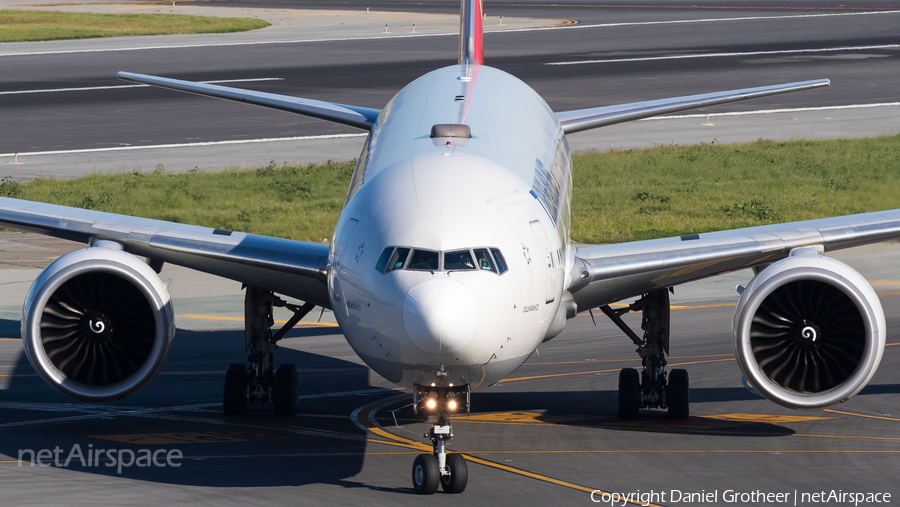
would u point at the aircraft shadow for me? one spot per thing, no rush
(598, 409)
(320, 445)
(181, 409)
(10, 328)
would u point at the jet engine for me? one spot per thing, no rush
(809, 331)
(98, 323)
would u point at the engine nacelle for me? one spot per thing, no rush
(97, 324)
(809, 331)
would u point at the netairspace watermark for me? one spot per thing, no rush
(796, 497)
(118, 458)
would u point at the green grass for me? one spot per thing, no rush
(288, 202)
(619, 195)
(22, 26)
(668, 191)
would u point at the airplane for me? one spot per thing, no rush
(451, 263)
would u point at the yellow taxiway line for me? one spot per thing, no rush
(365, 415)
(861, 415)
(620, 360)
(553, 375)
(302, 323)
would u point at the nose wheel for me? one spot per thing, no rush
(425, 474)
(449, 471)
(456, 481)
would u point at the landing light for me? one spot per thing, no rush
(431, 403)
(451, 405)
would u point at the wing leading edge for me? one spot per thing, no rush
(293, 268)
(354, 116)
(586, 119)
(604, 274)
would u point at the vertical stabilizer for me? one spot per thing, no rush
(471, 50)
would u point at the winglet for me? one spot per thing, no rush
(471, 48)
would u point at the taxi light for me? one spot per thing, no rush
(431, 403)
(452, 405)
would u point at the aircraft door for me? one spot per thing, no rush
(547, 260)
(343, 242)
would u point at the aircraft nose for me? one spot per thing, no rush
(440, 315)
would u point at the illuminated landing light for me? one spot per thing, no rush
(431, 403)
(440, 315)
(451, 405)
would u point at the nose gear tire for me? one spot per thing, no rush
(425, 474)
(459, 474)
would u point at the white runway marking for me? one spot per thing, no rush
(115, 87)
(703, 20)
(341, 136)
(721, 55)
(183, 145)
(455, 34)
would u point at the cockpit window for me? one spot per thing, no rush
(383, 260)
(483, 259)
(477, 259)
(398, 259)
(501, 262)
(457, 260)
(424, 260)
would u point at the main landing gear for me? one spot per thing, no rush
(652, 387)
(439, 468)
(261, 383)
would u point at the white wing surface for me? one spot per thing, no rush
(606, 273)
(293, 268)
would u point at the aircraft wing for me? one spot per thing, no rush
(354, 116)
(585, 119)
(604, 274)
(293, 268)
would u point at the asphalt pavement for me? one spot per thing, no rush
(65, 114)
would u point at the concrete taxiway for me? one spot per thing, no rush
(547, 434)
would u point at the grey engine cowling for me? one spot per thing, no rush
(809, 331)
(97, 324)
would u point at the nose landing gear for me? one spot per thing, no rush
(449, 471)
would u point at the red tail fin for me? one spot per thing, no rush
(471, 48)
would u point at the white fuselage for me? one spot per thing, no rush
(506, 189)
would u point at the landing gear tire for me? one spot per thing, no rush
(459, 474)
(425, 474)
(629, 393)
(286, 390)
(677, 395)
(234, 399)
